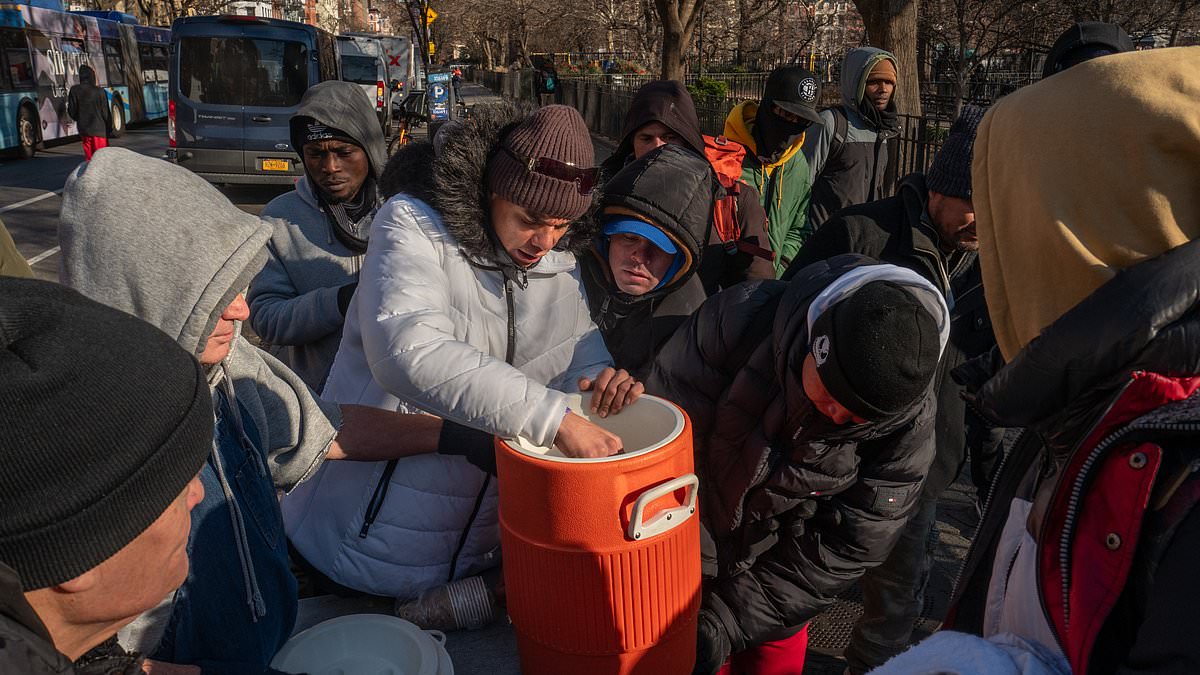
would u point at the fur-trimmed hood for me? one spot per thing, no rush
(453, 181)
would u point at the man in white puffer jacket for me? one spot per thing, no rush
(469, 307)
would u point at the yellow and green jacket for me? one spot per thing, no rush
(783, 187)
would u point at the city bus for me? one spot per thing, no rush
(41, 49)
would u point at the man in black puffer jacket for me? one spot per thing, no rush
(928, 227)
(813, 419)
(641, 273)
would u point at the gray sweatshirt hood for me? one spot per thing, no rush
(858, 64)
(157, 241)
(346, 107)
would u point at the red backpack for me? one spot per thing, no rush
(726, 160)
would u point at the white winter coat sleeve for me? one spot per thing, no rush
(409, 340)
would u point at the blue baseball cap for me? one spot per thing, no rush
(626, 225)
(622, 224)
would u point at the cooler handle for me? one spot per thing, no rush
(665, 520)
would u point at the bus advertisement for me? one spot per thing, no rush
(41, 49)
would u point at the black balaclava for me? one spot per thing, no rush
(774, 135)
(343, 216)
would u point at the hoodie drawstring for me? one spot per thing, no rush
(254, 597)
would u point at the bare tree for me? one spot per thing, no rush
(973, 35)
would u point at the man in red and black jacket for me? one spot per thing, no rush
(1087, 551)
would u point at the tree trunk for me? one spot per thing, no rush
(892, 25)
(678, 20)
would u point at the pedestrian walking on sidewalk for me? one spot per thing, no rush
(88, 105)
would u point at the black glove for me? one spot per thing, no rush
(712, 644)
(477, 446)
(344, 294)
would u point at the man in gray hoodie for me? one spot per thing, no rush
(298, 301)
(848, 159)
(239, 603)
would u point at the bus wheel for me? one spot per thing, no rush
(118, 119)
(26, 132)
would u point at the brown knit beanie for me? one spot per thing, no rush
(555, 132)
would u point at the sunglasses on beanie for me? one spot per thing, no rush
(585, 179)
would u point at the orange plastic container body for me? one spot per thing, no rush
(586, 597)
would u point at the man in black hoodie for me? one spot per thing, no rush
(736, 249)
(640, 275)
(87, 104)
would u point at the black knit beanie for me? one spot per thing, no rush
(950, 173)
(104, 420)
(555, 132)
(876, 351)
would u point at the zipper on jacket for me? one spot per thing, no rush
(376, 503)
(510, 350)
(1064, 544)
(1039, 539)
(462, 539)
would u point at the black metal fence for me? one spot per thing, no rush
(603, 103)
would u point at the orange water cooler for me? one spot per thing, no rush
(602, 556)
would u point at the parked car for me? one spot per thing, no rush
(363, 64)
(234, 82)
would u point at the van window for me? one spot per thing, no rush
(243, 71)
(360, 69)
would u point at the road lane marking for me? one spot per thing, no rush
(43, 255)
(31, 200)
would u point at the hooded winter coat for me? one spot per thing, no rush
(897, 230)
(856, 174)
(443, 322)
(669, 103)
(782, 185)
(794, 508)
(1090, 537)
(270, 432)
(294, 299)
(674, 188)
(87, 104)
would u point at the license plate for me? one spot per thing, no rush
(275, 165)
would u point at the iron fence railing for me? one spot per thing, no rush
(603, 103)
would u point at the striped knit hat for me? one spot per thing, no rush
(554, 132)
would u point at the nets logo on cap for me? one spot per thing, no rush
(820, 349)
(807, 89)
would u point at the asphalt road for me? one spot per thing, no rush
(30, 193)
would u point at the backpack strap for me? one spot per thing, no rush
(841, 129)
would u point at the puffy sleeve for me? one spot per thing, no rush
(408, 336)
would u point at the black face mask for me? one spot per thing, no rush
(773, 134)
(883, 120)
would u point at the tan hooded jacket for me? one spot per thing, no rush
(1062, 205)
